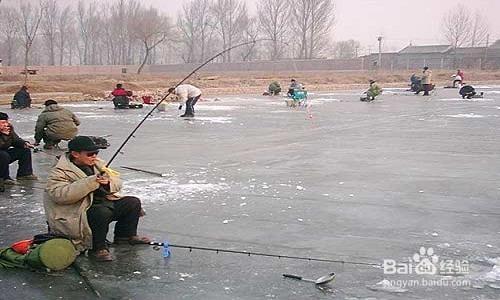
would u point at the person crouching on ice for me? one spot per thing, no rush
(82, 200)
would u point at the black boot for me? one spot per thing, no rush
(2, 186)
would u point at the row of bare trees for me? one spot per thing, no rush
(462, 27)
(123, 32)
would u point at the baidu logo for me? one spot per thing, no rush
(426, 262)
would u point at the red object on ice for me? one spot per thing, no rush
(22, 247)
(147, 99)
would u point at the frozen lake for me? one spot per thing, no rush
(356, 182)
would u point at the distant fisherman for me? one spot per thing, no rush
(372, 92)
(188, 93)
(22, 98)
(427, 80)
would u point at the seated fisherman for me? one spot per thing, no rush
(82, 200)
(294, 85)
(22, 98)
(13, 148)
(459, 78)
(415, 83)
(121, 95)
(372, 92)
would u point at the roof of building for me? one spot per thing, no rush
(425, 49)
(470, 50)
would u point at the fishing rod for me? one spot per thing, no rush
(166, 252)
(118, 151)
(145, 171)
(81, 273)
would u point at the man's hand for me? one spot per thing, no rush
(36, 144)
(28, 145)
(102, 179)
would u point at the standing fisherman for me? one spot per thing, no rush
(427, 80)
(188, 93)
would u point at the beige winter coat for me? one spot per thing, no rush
(69, 196)
(185, 91)
(427, 77)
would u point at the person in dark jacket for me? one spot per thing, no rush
(467, 91)
(55, 124)
(13, 148)
(22, 98)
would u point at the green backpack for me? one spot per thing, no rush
(55, 255)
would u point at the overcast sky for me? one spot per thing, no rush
(398, 21)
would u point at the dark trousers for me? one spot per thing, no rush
(50, 140)
(125, 212)
(121, 102)
(427, 88)
(190, 105)
(23, 155)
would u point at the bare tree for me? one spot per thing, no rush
(118, 38)
(90, 26)
(346, 49)
(196, 27)
(65, 28)
(187, 24)
(151, 29)
(230, 17)
(274, 21)
(301, 15)
(322, 20)
(480, 29)
(31, 17)
(456, 26)
(205, 28)
(251, 33)
(9, 32)
(49, 28)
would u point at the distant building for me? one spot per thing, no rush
(438, 57)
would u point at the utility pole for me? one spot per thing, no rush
(379, 39)
(486, 51)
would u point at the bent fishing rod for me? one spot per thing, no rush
(118, 151)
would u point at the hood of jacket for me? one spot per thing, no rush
(52, 107)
